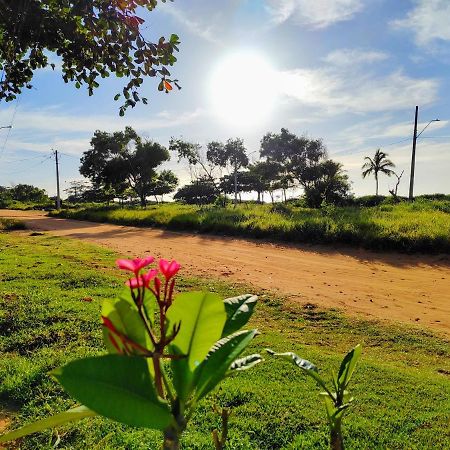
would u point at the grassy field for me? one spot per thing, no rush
(420, 226)
(50, 293)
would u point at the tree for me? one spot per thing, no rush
(394, 191)
(93, 38)
(296, 155)
(199, 166)
(263, 176)
(219, 156)
(198, 192)
(379, 164)
(122, 159)
(165, 183)
(235, 155)
(328, 183)
(28, 193)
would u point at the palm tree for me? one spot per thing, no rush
(379, 164)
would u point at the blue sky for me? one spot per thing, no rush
(347, 71)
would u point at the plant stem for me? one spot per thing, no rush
(171, 439)
(336, 440)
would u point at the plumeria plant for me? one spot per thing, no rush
(166, 351)
(337, 399)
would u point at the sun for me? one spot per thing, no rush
(242, 89)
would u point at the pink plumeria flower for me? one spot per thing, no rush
(134, 265)
(142, 280)
(169, 269)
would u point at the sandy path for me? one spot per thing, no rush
(409, 288)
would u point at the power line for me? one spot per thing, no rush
(35, 165)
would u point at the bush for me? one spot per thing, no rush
(11, 224)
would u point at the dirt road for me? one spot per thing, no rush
(390, 286)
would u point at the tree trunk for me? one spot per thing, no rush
(376, 181)
(235, 184)
(336, 442)
(171, 439)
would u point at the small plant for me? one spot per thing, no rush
(337, 399)
(150, 332)
(7, 224)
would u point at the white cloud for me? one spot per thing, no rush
(53, 120)
(347, 56)
(428, 20)
(316, 13)
(348, 90)
(207, 31)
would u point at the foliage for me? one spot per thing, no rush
(7, 224)
(113, 163)
(94, 39)
(165, 183)
(421, 226)
(305, 160)
(147, 330)
(51, 318)
(337, 401)
(199, 192)
(376, 165)
(327, 183)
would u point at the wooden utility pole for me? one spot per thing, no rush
(58, 197)
(413, 157)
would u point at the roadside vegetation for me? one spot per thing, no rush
(401, 386)
(422, 226)
(7, 224)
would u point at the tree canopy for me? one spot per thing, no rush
(93, 38)
(122, 159)
(380, 163)
(305, 160)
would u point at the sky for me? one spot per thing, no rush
(347, 71)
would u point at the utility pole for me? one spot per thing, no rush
(413, 157)
(235, 181)
(58, 197)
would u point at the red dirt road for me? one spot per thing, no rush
(389, 286)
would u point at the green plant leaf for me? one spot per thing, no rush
(124, 315)
(117, 387)
(202, 317)
(239, 310)
(348, 366)
(78, 413)
(308, 367)
(247, 362)
(219, 359)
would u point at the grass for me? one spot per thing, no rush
(7, 224)
(422, 226)
(50, 294)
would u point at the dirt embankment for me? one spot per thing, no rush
(408, 288)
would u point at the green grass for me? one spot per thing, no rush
(420, 226)
(7, 224)
(51, 290)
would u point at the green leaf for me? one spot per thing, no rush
(202, 317)
(117, 387)
(219, 360)
(78, 413)
(239, 310)
(124, 315)
(247, 362)
(308, 367)
(348, 366)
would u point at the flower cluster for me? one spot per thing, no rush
(150, 279)
(160, 282)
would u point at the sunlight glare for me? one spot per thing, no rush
(242, 89)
